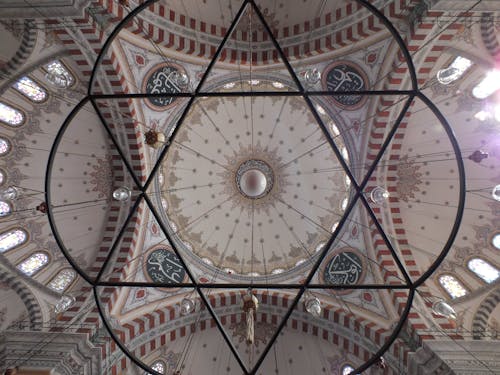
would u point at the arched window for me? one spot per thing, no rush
(452, 286)
(495, 241)
(58, 75)
(11, 239)
(10, 115)
(33, 264)
(158, 366)
(489, 84)
(483, 269)
(347, 369)
(30, 89)
(62, 280)
(2, 177)
(4, 146)
(5, 209)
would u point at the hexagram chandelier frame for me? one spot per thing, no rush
(410, 286)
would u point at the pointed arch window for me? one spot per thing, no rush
(5, 209)
(62, 280)
(12, 239)
(58, 75)
(30, 89)
(10, 115)
(158, 366)
(452, 286)
(347, 369)
(483, 269)
(33, 264)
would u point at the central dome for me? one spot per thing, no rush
(254, 179)
(251, 186)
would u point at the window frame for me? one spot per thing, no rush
(54, 275)
(460, 281)
(476, 276)
(44, 89)
(23, 113)
(19, 246)
(29, 256)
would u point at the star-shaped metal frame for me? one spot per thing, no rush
(410, 286)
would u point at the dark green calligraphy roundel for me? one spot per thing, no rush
(163, 266)
(344, 76)
(344, 268)
(163, 80)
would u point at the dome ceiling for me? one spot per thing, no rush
(245, 186)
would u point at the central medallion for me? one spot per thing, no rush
(254, 179)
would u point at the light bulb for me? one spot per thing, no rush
(448, 75)
(313, 306)
(121, 194)
(312, 76)
(379, 195)
(187, 306)
(442, 308)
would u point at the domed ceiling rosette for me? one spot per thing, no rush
(259, 175)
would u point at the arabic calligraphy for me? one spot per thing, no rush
(344, 268)
(163, 266)
(164, 80)
(345, 77)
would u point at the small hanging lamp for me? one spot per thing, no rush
(154, 138)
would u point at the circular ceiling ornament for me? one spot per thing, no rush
(165, 78)
(346, 76)
(254, 179)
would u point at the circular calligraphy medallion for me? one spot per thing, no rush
(345, 267)
(345, 76)
(163, 266)
(164, 79)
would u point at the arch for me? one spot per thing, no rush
(5, 146)
(12, 238)
(5, 208)
(35, 316)
(11, 116)
(27, 45)
(159, 366)
(33, 263)
(482, 315)
(483, 269)
(452, 286)
(30, 89)
(62, 280)
(59, 74)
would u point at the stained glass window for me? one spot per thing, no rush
(483, 269)
(11, 239)
(158, 366)
(4, 146)
(2, 177)
(454, 287)
(58, 75)
(29, 88)
(489, 84)
(10, 116)
(62, 280)
(347, 369)
(33, 264)
(4, 209)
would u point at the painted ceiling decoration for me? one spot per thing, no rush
(161, 160)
